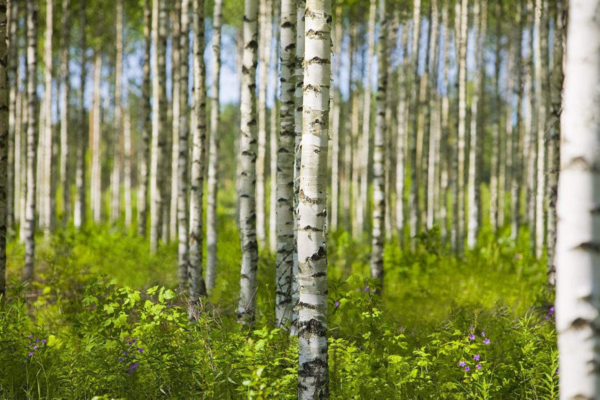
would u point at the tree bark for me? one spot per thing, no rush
(335, 120)
(273, 142)
(79, 214)
(401, 139)
(142, 218)
(46, 197)
(556, 90)
(517, 158)
(12, 19)
(177, 61)
(213, 153)
(264, 54)
(285, 166)
(196, 282)
(378, 234)
(4, 128)
(313, 376)
(32, 135)
(182, 221)
(577, 263)
(159, 120)
(64, 111)
(462, 122)
(127, 168)
(118, 123)
(248, 150)
(96, 141)
(413, 200)
(432, 117)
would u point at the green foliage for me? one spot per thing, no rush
(99, 298)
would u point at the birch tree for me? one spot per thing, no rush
(159, 119)
(64, 110)
(47, 200)
(273, 138)
(541, 132)
(196, 281)
(414, 182)
(182, 156)
(79, 213)
(4, 123)
(12, 186)
(313, 373)
(96, 189)
(462, 122)
(177, 59)
(32, 134)
(118, 123)
(379, 203)
(577, 291)
(146, 128)
(337, 39)
(248, 154)
(556, 90)
(285, 165)
(213, 153)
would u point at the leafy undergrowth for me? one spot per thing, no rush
(103, 318)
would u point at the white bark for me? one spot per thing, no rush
(115, 181)
(414, 181)
(64, 111)
(96, 192)
(285, 166)
(46, 198)
(127, 168)
(433, 118)
(313, 377)
(462, 122)
(12, 20)
(196, 282)
(79, 214)
(401, 139)
(335, 119)
(274, 82)
(32, 130)
(159, 119)
(248, 154)
(213, 154)
(177, 59)
(378, 234)
(577, 257)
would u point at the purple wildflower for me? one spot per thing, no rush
(462, 364)
(35, 347)
(141, 350)
(125, 352)
(546, 317)
(366, 288)
(29, 344)
(31, 354)
(478, 366)
(471, 337)
(129, 343)
(487, 341)
(44, 341)
(37, 340)
(130, 372)
(30, 335)
(337, 304)
(482, 334)
(467, 369)
(557, 369)
(476, 357)
(120, 359)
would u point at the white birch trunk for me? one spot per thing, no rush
(433, 116)
(213, 154)
(46, 200)
(177, 59)
(577, 262)
(115, 183)
(413, 140)
(335, 119)
(285, 166)
(142, 198)
(401, 139)
(462, 122)
(248, 154)
(541, 133)
(32, 134)
(196, 281)
(127, 168)
(12, 20)
(4, 133)
(518, 160)
(64, 111)
(159, 119)
(96, 141)
(273, 142)
(378, 234)
(264, 51)
(79, 213)
(313, 376)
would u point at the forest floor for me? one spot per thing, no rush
(104, 318)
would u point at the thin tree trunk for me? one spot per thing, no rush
(298, 124)
(313, 376)
(401, 138)
(349, 124)
(531, 129)
(4, 128)
(197, 284)
(556, 90)
(32, 135)
(127, 168)
(517, 158)
(142, 218)
(462, 122)
(12, 19)
(47, 201)
(285, 166)
(391, 104)
(495, 167)
(118, 127)
(433, 116)
(182, 157)
(378, 234)
(264, 54)
(79, 214)
(273, 146)
(248, 149)
(335, 126)
(354, 141)
(476, 127)
(18, 159)
(213, 154)
(365, 139)
(24, 151)
(540, 74)
(178, 58)
(577, 262)
(413, 200)
(64, 111)
(159, 120)
(96, 141)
